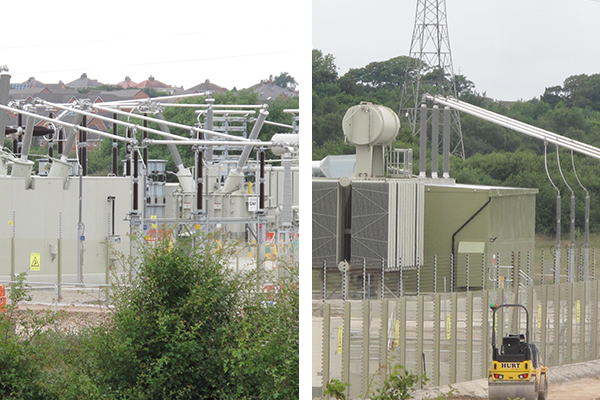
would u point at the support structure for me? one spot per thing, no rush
(431, 65)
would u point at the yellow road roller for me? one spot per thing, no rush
(517, 371)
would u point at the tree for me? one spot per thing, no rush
(285, 80)
(323, 68)
(383, 74)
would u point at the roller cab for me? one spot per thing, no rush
(517, 371)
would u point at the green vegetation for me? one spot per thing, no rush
(495, 155)
(184, 326)
(400, 384)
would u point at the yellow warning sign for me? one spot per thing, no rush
(35, 263)
(340, 337)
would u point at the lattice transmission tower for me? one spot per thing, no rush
(429, 69)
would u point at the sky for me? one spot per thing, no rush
(180, 43)
(510, 49)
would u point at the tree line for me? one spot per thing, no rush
(494, 155)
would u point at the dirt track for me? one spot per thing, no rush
(582, 389)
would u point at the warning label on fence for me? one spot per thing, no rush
(34, 264)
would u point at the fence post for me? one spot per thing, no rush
(420, 322)
(485, 333)
(382, 277)
(512, 270)
(364, 274)
(325, 364)
(434, 273)
(400, 288)
(582, 319)
(402, 332)
(345, 284)
(418, 277)
(498, 285)
(544, 306)
(569, 322)
(451, 273)
(468, 272)
(366, 326)
(483, 273)
(594, 317)
(556, 340)
(469, 335)
(453, 341)
(436, 339)
(346, 345)
(383, 346)
(543, 269)
(324, 280)
(529, 276)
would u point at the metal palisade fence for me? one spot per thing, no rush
(447, 336)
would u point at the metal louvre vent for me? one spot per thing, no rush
(325, 222)
(406, 221)
(369, 221)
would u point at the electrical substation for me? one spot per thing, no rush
(61, 225)
(406, 260)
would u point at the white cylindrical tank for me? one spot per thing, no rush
(288, 138)
(370, 124)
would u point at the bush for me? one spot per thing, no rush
(184, 326)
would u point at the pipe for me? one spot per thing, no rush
(80, 232)
(158, 121)
(128, 154)
(235, 177)
(29, 124)
(135, 180)
(261, 199)
(4, 97)
(232, 112)
(200, 181)
(16, 136)
(61, 138)
(66, 124)
(527, 129)
(518, 126)
(423, 142)
(435, 140)
(115, 149)
(71, 137)
(172, 148)
(446, 143)
(209, 125)
(278, 124)
(253, 136)
(469, 220)
(211, 143)
(572, 220)
(83, 147)
(51, 141)
(286, 215)
(145, 148)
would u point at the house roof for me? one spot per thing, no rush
(128, 83)
(151, 82)
(206, 86)
(267, 90)
(84, 82)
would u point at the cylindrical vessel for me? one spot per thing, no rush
(370, 124)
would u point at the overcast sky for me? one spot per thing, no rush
(181, 43)
(510, 49)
